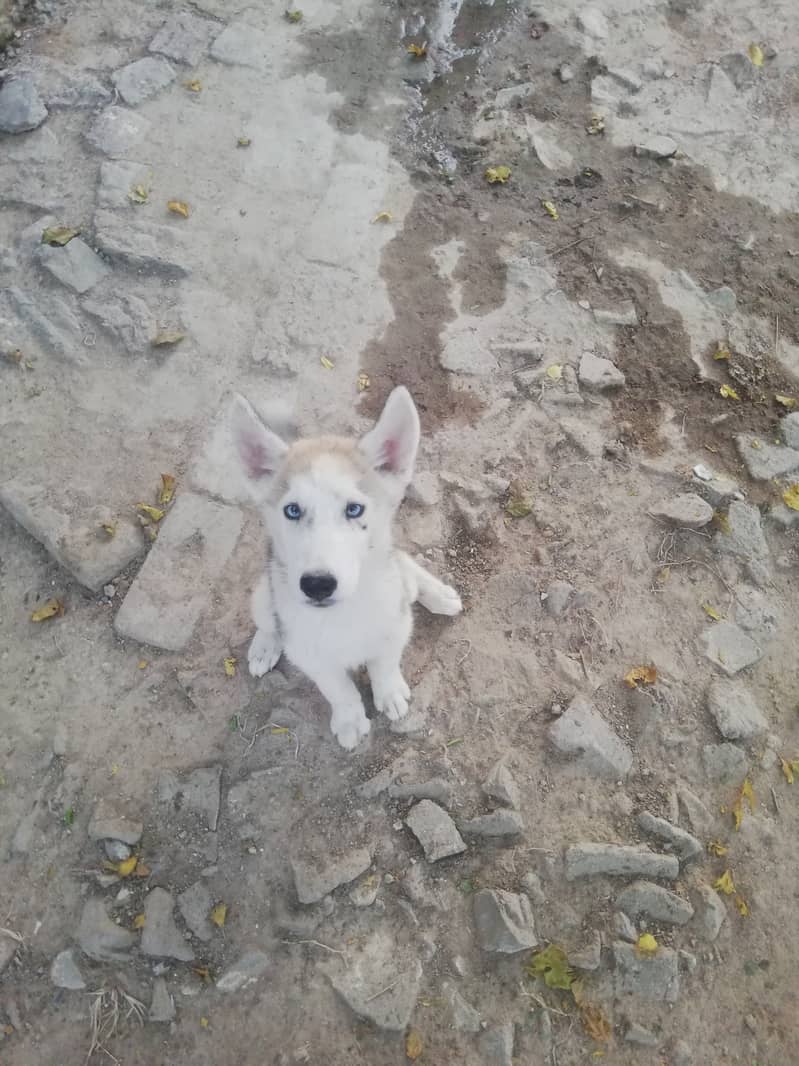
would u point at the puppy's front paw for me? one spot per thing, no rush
(349, 727)
(264, 652)
(391, 698)
(446, 601)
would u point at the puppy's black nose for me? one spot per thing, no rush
(318, 587)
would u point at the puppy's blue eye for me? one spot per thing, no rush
(354, 510)
(293, 511)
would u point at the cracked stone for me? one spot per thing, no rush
(500, 823)
(504, 921)
(21, 108)
(194, 904)
(317, 875)
(379, 984)
(196, 792)
(655, 902)
(685, 845)
(243, 973)
(142, 244)
(600, 374)
(724, 762)
(117, 131)
(162, 1006)
(435, 831)
(729, 647)
(734, 710)
(107, 823)
(583, 732)
(75, 265)
(687, 510)
(767, 461)
(143, 78)
(64, 972)
(618, 860)
(655, 978)
(184, 37)
(500, 787)
(160, 936)
(99, 937)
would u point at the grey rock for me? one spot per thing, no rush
(8, 949)
(139, 243)
(376, 785)
(655, 902)
(655, 978)
(142, 79)
(618, 860)
(547, 146)
(62, 86)
(436, 789)
(729, 647)
(628, 79)
(117, 178)
(244, 46)
(496, 1046)
(696, 813)
(623, 927)
(380, 984)
(127, 318)
(99, 937)
(500, 787)
(160, 935)
(717, 489)
(767, 461)
(783, 516)
(435, 831)
(64, 972)
(317, 875)
(196, 792)
(558, 595)
(508, 96)
(789, 430)
(108, 823)
(162, 1006)
(55, 327)
(599, 374)
(744, 539)
(688, 961)
(723, 298)
(117, 131)
(685, 845)
(184, 37)
(724, 762)
(244, 972)
(116, 850)
(75, 265)
(194, 904)
(657, 147)
(734, 710)
(623, 315)
(464, 1017)
(566, 72)
(592, 21)
(583, 732)
(21, 108)
(681, 1053)
(364, 893)
(638, 1034)
(500, 823)
(531, 883)
(504, 921)
(589, 957)
(710, 913)
(174, 586)
(687, 510)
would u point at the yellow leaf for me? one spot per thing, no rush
(728, 392)
(204, 1022)
(166, 337)
(142, 664)
(178, 207)
(363, 382)
(721, 353)
(595, 126)
(520, 502)
(716, 848)
(745, 792)
(51, 609)
(244, 142)
(138, 921)
(155, 514)
(755, 53)
(550, 209)
(418, 51)
(791, 497)
(646, 675)
(499, 174)
(595, 1023)
(127, 866)
(294, 16)
(786, 401)
(167, 488)
(59, 235)
(742, 906)
(219, 914)
(755, 443)
(787, 770)
(647, 945)
(721, 522)
(203, 973)
(327, 363)
(552, 964)
(554, 372)
(194, 86)
(711, 612)
(725, 883)
(114, 769)
(413, 1045)
(277, 730)
(138, 194)
(230, 665)
(383, 216)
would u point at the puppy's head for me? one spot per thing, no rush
(328, 501)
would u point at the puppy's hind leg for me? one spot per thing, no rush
(433, 594)
(265, 648)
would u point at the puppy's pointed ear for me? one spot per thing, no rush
(391, 446)
(260, 450)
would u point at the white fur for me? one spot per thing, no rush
(367, 620)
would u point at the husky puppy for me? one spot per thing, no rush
(337, 594)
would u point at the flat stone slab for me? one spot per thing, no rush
(435, 831)
(196, 792)
(744, 538)
(109, 823)
(244, 972)
(142, 79)
(21, 108)
(729, 647)
(681, 842)
(655, 978)
(118, 177)
(687, 510)
(600, 374)
(116, 131)
(101, 938)
(655, 902)
(75, 265)
(724, 762)
(195, 904)
(582, 731)
(184, 37)
(244, 46)
(380, 983)
(317, 875)
(162, 1006)
(734, 710)
(501, 823)
(140, 243)
(766, 461)
(618, 860)
(160, 935)
(175, 584)
(64, 972)
(504, 921)
(74, 538)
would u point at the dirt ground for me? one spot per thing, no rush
(676, 260)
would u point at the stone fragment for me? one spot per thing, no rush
(655, 978)
(99, 937)
(743, 537)
(162, 1006)
(117, 131)
(729, 647)
(64, 972)
(717, 489)
(160, 935)
(435, 831)
(657, 147)
(683, 844)
(116, 850)
(600, 374)
(687, 510)
(108, 823)
(710, 913)
(504, 921)
(21, 108)
(618, 860)
(194, 904)
(655, 902)
(244, 46)
(724, 762)
(592, 21)
(696, 813)
(244, 972)
(196, 792)
(175, 584)
(464, 1017)
(500, 787)
(589, 957)
(583, 732)
(559, 593)
(142, 79)
(643, 1037)
(379, 984)
(364, 893)
(508, 96)
(317, 875)
(789, 430)
(184, 37)
(142, 244)
(734, 710)
(546, 146)
(767, 461)
(436, 789)
(500, 823)
(624, 314)
(623, 927)
(496, 1046)
(75, 265)
(127, 318)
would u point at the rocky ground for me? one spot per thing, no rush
(603, 342)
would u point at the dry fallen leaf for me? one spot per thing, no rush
(167, 336)
(646, 945)
(552, 964)
(721, 522)
(790, 497)
(155, 514)
(646, 675)
(418, 51)
(745, 792)
(327, 363)
(520, 502)
(786, 401)
(554, 372)
(127, 866)
(230, 665)
(413, 1045)
(711, 612)
(363, 382)
(550, 209)
(755, 53)
(204, 1022)
(715, 847)
(138, 921)
(203, 973)
(278, 730)
(742, 906)
(293, 16)
(138, 194)
(725, 883)
(383, 216)
(142, 664)
(194, 86)
(755, 443)
(721, 353)
(167, 490)
(244, 142)
(494, 175)
(728, 392)
(51, 609)
(595, 1023)
(219, 914)
(789, 769)
(595, 126)
(59, 235)
(178, 207)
